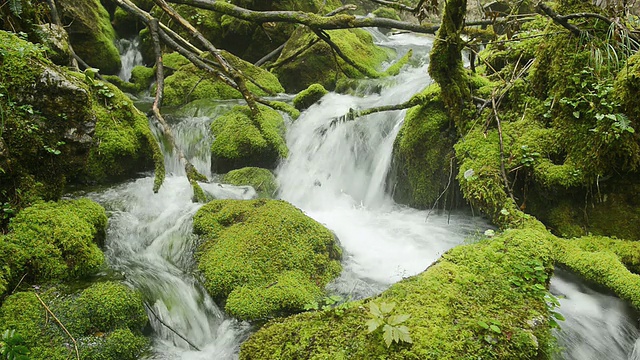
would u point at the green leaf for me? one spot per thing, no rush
(495, 329)
(504, 212)
(557, 316)
(404, 334)
(483, 324)
(387, 336)
(375, 310)
(397, 319)
(386, 308)
(576, 114)
(373, 324)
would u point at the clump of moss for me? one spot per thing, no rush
(422, 153)
(499, 282)
(142, 77)
(91, 34)
(105, 319)
(190, 83)
(56, 241)
(239, 143)
(262, 180)
(309, 96)
(395, 68)
(264, 256)
(316, 64)
(387, 13)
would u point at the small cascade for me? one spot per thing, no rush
(130, 56)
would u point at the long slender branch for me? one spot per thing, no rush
(560, 20)
(75, 343)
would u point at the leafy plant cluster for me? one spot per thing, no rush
(12, 346)
(334, 302)
(382, 317)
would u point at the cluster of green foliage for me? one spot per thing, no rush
(106, 320)
(264, 256)
(12, 346)
(53, 241)
(309, 96)
(239, 142)
(262, 180)
(444, 309)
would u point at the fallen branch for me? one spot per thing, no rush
(170, 328)
(75, 343)
(561, 20)
(192, 175)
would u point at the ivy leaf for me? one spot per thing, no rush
(397, 319)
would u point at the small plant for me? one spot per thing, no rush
(553, 303)
(528, 157)
(12, 346)
(392, 331)
(492, 329)
(325, 303)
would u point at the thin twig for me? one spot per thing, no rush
(169, 327)
(19, 282)
(502, 169)
(75, 343)
(435, 203)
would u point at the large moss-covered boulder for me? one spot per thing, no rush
(241, 141)
(265, 257)
(53, 241)
(62, 127)
(423, 152)
(91, 33)
(301, 65)
(484, 300)
(189, 83)
(262, 180)
(106, 320)
(309, 96)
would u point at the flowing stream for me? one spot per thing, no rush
(337, 176)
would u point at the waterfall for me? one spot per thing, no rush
(130, 56)
(336, 175)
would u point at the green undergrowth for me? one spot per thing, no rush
(265, 257)
(262, 180)
(53, 241)
(484, 300)
(106, 320)
(301, 65)
(239, 143)
(189, 83)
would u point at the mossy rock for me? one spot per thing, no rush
(105, 319)
(422, 153)
(309, 96)
(54, 241)
(142, 77)
(317, 64)
(262, 180)
(62, 127)
(91, 34)
(627, 87)
(466, 305)
(265, 257)
(240, 143)
(387, 13)
(190, 83)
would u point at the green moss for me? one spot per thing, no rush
(91, 34)
(98, 324)
(125, 142)
(174, 61)
(500, 281)
(125, 86)
(266, 256)
(239, 143)
(189, 83)
(627, 87)
(309, 96)
(592, 259)
(385, 12)
(142, 77)
(262, 180)
(53, 241)
(395, 68)
(423, 153)
(317, 64)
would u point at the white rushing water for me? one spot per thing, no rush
(337, 176)
(130, 56)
